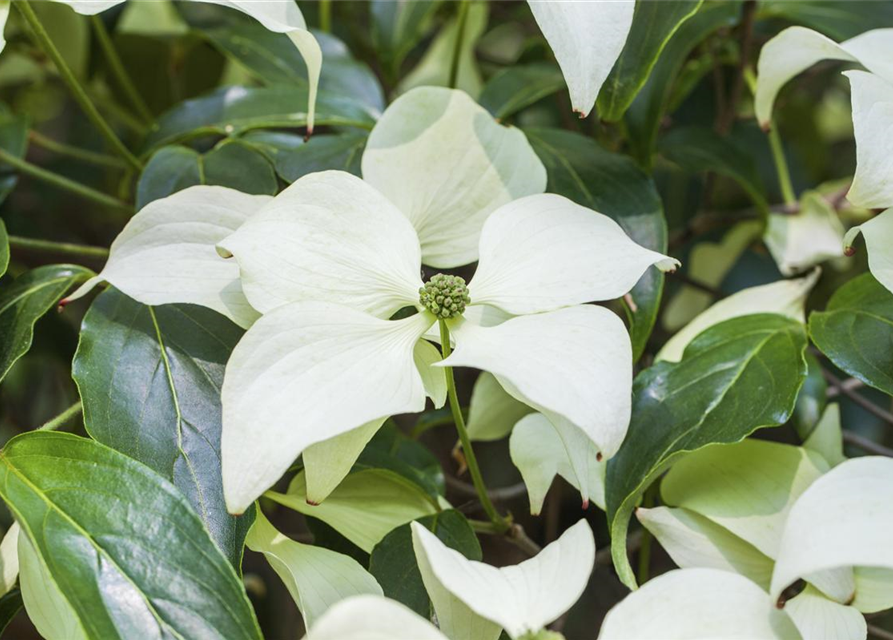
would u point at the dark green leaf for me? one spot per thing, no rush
(294, 158)
(838, 19)
(273, 57)
(234, 110)
(10, 605)
(518, 87)
(123, 546)
(14, 140)
(654, 23)
(390, 449)
(397, 27)
(150, 379)
(327, 537)
(812, 399)
(24, 300)
(644, 116)
(4, 249)
(231, 163)
(611, 184)
(736, 377)
(855, 331)
(701, 150)
(393, 561)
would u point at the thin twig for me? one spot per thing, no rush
(877, 632)
(850, 383)
(60, 420)
(866, 445)
(518, 536)
(727, 117)
(84, 155)
(860, 400)
(502, 493)
(116, 66)
(58, 248)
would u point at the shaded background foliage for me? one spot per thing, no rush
(221, 94)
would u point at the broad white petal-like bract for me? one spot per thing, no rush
(316, 577)
(878, 234)
(492, 412)
(522, 598)
(372, 617)
(304, 373)
(819, 618)
(587, 37)
(166, 252)
(540, 454)
(872, 98)
(327, 463)
(693, 541)
(329, 237)
(797, 48)
(544, 252)
(9, 559)
(574, 363)
(842, 520)
(698, 604)
(447, 164)
(798, 241)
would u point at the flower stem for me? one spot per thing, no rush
(460, 38)
(64, 183)
(80, 95)
(645, 548)
(325, 15)
(62, 418)
(781, 167)
(84, 155)
(117, 68)
(499, 523)
(59, 248)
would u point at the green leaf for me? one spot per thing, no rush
(273, 58)
(235, 110)
(10, 605)
(393, 561)
(122, 545)
(294, 158)
(397, 27)
(855, 331)
(701, 150)
(645, 114)
(231, 163)
(14, 140)
(612, 184)
(654, 23)
(518, 87)
(736, 377)
(150, 378)
(24, 300)
(4, 249)
(812, 399)
(837, 19)
(391, 449)
(365, 507)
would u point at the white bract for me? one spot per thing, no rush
(799, 241)
(755, 508)
(587, 37)
(372, 617)
(279, 16)
(796, 49)
(475, 601)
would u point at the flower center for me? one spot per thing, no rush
(445, 296)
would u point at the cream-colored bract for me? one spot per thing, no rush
(372, 617)
(166, 253)
(698, 604)
(492, 412)
(878, 234)
(316, 578)
(447, 165)
(843, 520)
(785, 297)
(304, 373)
(521, 599)
(872, 97)
(802, 240)
(587, 37)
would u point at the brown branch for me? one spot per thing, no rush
(503, 493)
(727, 117)
(866, 444)
(860, 400)
(877, 632)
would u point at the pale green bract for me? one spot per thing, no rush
(372, 618)
(799, 241)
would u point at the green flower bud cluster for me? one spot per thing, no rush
(445, 296)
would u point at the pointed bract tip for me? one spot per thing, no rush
(599, 456)
(766, 127)
(849, 252)
(312, 503)
(62, 304)
(309, 134)
(585, 504)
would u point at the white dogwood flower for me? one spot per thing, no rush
(330, 259)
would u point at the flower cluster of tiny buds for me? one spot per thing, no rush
(445, 296)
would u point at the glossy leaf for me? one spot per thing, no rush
(700, 150)
(812, 399)
(294, 158)
(734, 378)
(838, 19)
(150, 378)
(365, 507)
(25, 300)
(397, 27)
(518, 87)
(855, 331)
(10, 605)
(644, 116)
(231, 163)
(611, 184)
(654, 23)
(14, 140)
(393, 561)
(4, 249)
(122, 545)
(234, 110)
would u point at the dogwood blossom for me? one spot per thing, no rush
(794, 50)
